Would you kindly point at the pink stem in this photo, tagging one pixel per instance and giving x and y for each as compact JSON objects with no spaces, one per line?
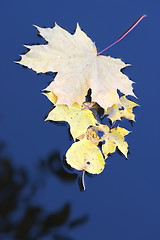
{"x":125,"y":33}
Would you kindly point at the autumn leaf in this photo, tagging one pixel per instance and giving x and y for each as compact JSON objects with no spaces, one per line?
{"x":113,"y":138}
{"x":74,"y":58}
{"x":122,"y":110}
{"x":85,"y":155}
{"x":78,"y":118}
{"x":51,"y":96}
{"x":90,"y":135}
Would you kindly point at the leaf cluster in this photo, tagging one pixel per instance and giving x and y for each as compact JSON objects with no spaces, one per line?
{"x":79,"y":68}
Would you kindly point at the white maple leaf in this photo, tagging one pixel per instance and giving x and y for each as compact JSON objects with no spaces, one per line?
{"x":74,"y":58}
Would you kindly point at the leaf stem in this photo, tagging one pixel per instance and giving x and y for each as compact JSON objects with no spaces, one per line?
{"x":125,"y":33}
{"x":83,"y":183}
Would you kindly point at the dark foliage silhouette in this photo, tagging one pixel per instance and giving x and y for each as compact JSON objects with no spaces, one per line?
{"x":20,"y":219}
{"x":55,"y":165}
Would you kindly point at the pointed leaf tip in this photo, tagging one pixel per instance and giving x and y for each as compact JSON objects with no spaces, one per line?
{"x":27,"y":46}
{"x":18,"y":62}
{"x":78,"y":27}
{"x":35,"y":26}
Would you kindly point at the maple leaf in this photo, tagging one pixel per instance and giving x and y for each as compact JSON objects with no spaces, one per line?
{"x":78,"y":118}
{"x":79,"y":68}
{"x":116,"y":112}
{"x":85,"y":155}
{"x":113,"y":138}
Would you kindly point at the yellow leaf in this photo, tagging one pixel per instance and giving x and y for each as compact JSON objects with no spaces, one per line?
{"x":113,"y":138}
{"x":74,"y":58}
{"x":78,"y":118}
{"x":85,"y":155}
{"x":92,"y":135}
{"x":116,"y":113}
{"x":51,"y":96}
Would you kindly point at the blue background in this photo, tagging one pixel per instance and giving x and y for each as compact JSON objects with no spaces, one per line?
{"x":123,"y":201}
